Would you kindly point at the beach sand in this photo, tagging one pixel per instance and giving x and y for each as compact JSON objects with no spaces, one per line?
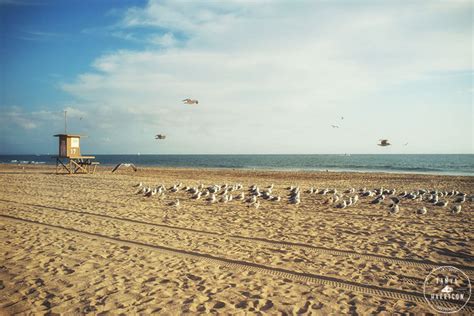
{"x":89,"y":244}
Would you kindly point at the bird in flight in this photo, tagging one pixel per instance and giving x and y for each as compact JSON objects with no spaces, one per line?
{"x":335,"y":126}
{"x":342,"y":117}
{"x":160,"y":136}
{"x":125,"y":165}
{"x":384,"y":142}
{"x":405,"y":144}
{"x":190,"y":101}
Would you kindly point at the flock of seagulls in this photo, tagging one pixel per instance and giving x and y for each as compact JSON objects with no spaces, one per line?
{"x":254,"y":195}
{"x":383,"y":142}
{"x":185,"y":101}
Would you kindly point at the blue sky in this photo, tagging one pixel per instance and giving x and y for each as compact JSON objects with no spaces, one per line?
{"x":271,"y":76}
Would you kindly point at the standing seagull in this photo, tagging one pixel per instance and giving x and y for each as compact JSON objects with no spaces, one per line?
{"x":190,"y":101}
{"x":174,"y":204}
{"x":384,"y":142}
{"x":456,"y":209}
{"x":394,"y":209}
{"x":421,"y":211}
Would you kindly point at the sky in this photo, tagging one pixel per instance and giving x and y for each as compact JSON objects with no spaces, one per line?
{"x":271,"y":77}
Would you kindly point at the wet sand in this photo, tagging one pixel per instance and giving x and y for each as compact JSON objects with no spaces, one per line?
{"x":89,"y":244}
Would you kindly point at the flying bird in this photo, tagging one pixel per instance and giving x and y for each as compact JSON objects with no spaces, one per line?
{"x":125,"y":165}
{"x":190,"y":101}
{"x":342,"y":117}
{"x":384,"y":142}
{"x":405,"y":144}
{"x":335,"y":126}
{"x":160,"y":136}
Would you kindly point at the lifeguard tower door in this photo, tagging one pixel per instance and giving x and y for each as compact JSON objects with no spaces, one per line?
{"x":62,"y":147}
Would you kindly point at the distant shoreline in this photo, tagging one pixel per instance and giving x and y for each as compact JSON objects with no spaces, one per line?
{"x":405,"y":164}
{"x":156,"y":168}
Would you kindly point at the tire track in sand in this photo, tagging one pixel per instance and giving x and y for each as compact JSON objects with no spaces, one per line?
{"x":248,"y":266}
{"x":292,"y":245}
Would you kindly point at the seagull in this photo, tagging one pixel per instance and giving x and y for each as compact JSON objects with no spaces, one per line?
{"x":276,"y":199}
{"x":160,"y":136}
{"x":368,"y":193}
{"x":142,"y":190}
{"x":442,"y":203}
{"x":252,"y":199}
{"x":434,"y":200}
{"x":266,"y":195}
{"x":335,"y":126}
{"x":461,"y":199}
{"x":394,"y":209}
{"x":175,"y":203}
{"x":151,"y":193}
{"x":125,"y":165}
{"x":295,"y":200}
{"x":384,"y":142}
{"x":224,"y":199}
{"x":190,"y":101}
{"x":310,"y":190}
{"x":377,"y":200}
{"x":395,"y":200}
{"x":355,"y":199}
{"x":174,"y":189}
{"x":329,"y":200}
{"x":212,"y":198}
{"x":323,"y":191}
{"x":351,"y":190}
{"x":456,"y":209}
{"x":240,"y":197}
{"x":421,"y":211}
{"x":343,"y":204}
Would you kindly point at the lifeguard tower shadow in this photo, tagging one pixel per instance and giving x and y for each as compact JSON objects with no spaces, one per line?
{"x":70,"y":159}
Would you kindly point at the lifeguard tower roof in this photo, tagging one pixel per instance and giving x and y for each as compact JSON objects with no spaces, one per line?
{"x":69,"y":135}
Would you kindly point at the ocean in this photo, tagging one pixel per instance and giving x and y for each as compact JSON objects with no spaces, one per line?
{"x":428,"y":164}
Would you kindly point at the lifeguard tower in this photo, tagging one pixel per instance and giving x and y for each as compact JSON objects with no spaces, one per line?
{"x":70,"y":158}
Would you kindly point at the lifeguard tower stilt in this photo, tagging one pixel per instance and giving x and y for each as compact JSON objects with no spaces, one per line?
{"x":70,"y":158}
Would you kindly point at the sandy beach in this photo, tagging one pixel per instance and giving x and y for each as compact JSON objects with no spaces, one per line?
{"x":90,"y":244}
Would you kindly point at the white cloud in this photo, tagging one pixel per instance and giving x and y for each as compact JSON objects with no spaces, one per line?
{"x":269,"y":70}
{"x":166,"y":40}
{"x":16,"y":116}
